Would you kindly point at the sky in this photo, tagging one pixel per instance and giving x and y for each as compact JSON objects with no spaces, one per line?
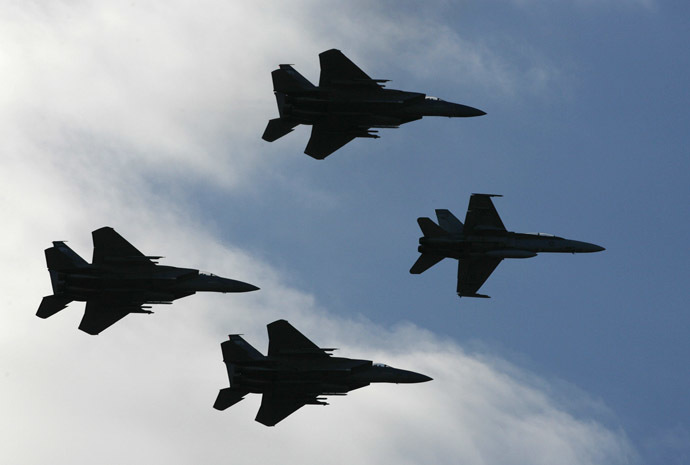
{"x":147,"y":117}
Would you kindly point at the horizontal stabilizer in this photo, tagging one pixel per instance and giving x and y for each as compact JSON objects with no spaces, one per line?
{"x":228,"y":397}
{"x":424,"y":262}
{"x":52,"y":304}
{"x":430,"y":229}
{"x":277,"y":128}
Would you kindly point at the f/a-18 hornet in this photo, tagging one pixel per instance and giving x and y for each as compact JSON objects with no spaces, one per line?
{"x":481,"y":243}
{"x":346,"y":104}
{"x":295,"y":373}
{"x":119,"y":281}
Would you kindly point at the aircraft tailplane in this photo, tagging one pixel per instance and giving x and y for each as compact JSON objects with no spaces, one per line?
{"x":52,"y":304}
{"x":228,"y":397}
{"x":277,"y":128}
{"x":424,"y":262}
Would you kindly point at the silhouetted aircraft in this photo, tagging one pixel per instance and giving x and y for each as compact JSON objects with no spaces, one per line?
{"x":482,"y":243}
{"x":119,"y":281}
{"x":346,"y":104}
{"x":295,"y":373}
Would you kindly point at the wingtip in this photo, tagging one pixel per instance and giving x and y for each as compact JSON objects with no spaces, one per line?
{"x":487,"y":195}
{"x":480,"y":296}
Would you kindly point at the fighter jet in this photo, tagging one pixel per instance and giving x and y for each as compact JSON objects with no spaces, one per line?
{"x":295,"y":373}
{"x":119,"y":281}
{"x":347,"y":104}
{"x":481,"y":244}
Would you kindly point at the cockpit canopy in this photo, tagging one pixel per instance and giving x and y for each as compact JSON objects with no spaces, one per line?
{"x":435,"y":99}
{"x":206,"y":273}
{"x":380,"y":365}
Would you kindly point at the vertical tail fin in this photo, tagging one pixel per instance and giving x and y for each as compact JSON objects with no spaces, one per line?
{"x":426,"y":260}
{"x":60,"y":258}
{"x":280,"y":100}
{"x":287,"y":80}
{"x":430,"y":229}
{"x":448,"y":221}
{"x":237,"y":350}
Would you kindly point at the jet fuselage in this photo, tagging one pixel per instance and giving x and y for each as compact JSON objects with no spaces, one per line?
{"x":151,"y":284}
{"x":501,"y":245}
{"x":367,"y":108}
{"x":332,"y":375}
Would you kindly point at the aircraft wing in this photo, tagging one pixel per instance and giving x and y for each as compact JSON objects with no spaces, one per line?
{"x":339,"y":70}
{"x":481,"y":214}
{"x":101,"y":314}
{"x":472,"y":273}
{"x":279,"y":404}
{"x":111,"y":248}
{"x":284,"y":339}
{"x":324,"y":141}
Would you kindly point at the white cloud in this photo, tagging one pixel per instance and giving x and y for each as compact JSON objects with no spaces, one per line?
{"x":98,"y":100}
{"x":182,"y":90}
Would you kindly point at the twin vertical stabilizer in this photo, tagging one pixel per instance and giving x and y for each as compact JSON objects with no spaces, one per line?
{"x":448,"y":222}
{"x":447,"y":225}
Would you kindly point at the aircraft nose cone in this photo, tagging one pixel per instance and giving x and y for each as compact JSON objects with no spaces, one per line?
{"x":587,"y":247}
{"x":467,"y":111}
{"x":239,"y":286}
{"x":412,"y":377}
{"x":245,"y":287}
{"x":420,"y":378}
